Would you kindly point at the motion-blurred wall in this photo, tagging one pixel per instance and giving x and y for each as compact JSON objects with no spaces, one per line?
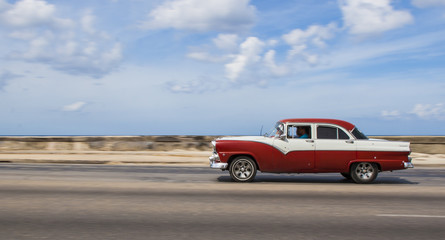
{"x":421,"y":144}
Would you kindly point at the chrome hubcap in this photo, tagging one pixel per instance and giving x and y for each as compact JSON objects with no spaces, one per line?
{"x":242,"y":169}
{"x":364,"y":170}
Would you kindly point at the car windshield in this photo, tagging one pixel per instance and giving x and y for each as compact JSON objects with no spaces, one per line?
{"x":276,"y":131}
{"x":359,"y":135}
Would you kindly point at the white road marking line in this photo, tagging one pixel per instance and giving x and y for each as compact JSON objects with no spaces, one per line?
{"x":410,"y":215}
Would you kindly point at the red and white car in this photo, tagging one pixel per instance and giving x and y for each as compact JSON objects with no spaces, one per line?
{"x":328,"y":145}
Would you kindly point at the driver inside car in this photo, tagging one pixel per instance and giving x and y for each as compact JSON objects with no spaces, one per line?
{"x":302,"y":132}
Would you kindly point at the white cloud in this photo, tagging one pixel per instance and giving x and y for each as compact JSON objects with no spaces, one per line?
{"x":197,"y":15}
{"x":37,"y":49}
{"x":250,"y":51}
{"x":200,"y":85}
{"x":372,"y":16}
{"x":423,"y":111}
{"x":45,"y":38}
{"x":314,"y":35}
{"x":73,"y":107}
{"x":269,"y":61}
{"x":228,"y":42}
{"x":388,"y":51}
{"x":251,"y":59}
{"x":296,"y":50}
{"x":391,"y":114}
{"x":225,"y":43}
{"x":205,"y":57}
{"x":428,"y":3}
{"x":311,"y":51}
{"x":23,"y":34}
{"x":311,"y":58}
{"x":189,"y":87}
{"x":87,"y":22}
{"x":429,"y":111}
{"x":272,"y":42}
{"x":113,"y":55}
{"x":28,"y":13}
{"x":90,"y":48}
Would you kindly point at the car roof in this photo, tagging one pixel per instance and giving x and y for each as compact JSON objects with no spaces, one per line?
{"x":348,"y":126}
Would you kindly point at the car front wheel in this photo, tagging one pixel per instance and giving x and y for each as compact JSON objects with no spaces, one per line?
{"x":243,"y":169}
{"x":364,"y":172}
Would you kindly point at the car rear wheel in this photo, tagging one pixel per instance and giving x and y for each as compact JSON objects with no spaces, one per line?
{"x":364,"y":172}
{"x":243,"y":169}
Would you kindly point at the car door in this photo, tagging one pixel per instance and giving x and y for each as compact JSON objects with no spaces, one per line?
{"x":298,"y":153}
{"x":334,"y":148}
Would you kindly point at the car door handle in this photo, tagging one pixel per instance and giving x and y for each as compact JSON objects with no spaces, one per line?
{"x":310,"y":141}
{"x":349,"y":141}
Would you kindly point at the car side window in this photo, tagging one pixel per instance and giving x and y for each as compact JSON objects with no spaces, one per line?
{"x":326,"y":132}
{"x":342,"y":134}
{"x":291,"y":131}
{"x":299,"y":131}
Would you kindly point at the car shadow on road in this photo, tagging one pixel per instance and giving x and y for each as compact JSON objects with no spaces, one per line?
{"x":267,"y":178}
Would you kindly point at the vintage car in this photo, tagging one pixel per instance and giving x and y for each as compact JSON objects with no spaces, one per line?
{"x":310,"y":146}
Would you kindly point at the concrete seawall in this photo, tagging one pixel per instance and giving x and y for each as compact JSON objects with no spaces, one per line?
{"x":419,"y":144}
{"x":106,"y":143}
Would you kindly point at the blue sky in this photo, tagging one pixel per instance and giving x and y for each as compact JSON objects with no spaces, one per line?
{"x":220,"y":67}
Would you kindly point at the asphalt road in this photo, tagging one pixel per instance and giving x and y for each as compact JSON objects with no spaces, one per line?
{"x":151,"y":202}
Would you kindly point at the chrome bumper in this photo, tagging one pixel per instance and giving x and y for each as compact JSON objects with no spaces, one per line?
{"x":408,"y":164}
{"x":215,"y":163}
